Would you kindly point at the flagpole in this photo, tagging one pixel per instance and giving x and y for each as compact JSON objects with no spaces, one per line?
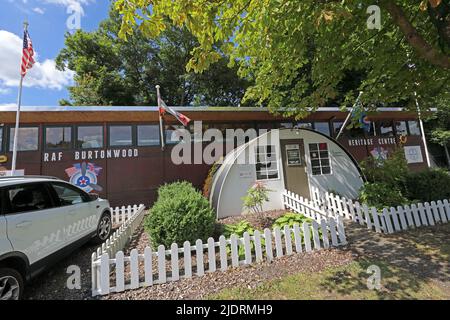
{"x":348,"y":117}
{"x":424,"y":140}
{"x":161,"y":130}
{"x":16,"y":130}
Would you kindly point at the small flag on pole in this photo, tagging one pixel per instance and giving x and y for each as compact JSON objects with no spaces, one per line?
{"x":163,"y":108}
{"x":27,"y":54}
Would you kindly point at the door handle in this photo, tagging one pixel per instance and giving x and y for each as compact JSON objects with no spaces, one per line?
{"x":23,"y":224}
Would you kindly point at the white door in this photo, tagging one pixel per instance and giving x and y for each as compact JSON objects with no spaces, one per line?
{"x":35,"y":225}
{"x":81,"y":219}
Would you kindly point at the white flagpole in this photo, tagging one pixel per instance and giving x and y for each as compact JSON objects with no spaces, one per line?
{"x":16,"y":129}
{"x":424,"y":140}
{"x":348,"y":117}
{"x":161,"y":130}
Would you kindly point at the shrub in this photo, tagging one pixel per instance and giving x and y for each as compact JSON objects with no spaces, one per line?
{"x":428,"y":185}
{"x":181,"y":213}
{"x":256,"y":196}
{"x":381,"y":195}
{"x":392,"y":171}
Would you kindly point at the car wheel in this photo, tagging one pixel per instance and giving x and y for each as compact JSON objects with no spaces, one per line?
{"x":11,"y":284}
{"x":103,"y":229}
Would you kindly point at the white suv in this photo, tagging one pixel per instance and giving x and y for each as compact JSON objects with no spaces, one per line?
{"x":43,"y":219}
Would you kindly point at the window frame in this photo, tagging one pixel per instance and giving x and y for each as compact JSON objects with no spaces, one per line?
{"x":57,"y":200}
{"x":6,"y":202}
{"x":320,"y":159}
{"x":2,"y":137}
{"x":328,"y":124}
{"x":276,"y":162}
{"x":137,"y":135}
{"x":133,"y":135}
{"x":10,"y":146}
{"x":77,"y":126}
{"x":418,"y":127}
{"x":44,"y":140}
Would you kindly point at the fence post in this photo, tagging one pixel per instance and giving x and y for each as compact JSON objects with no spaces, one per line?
{"x":187,"y":259}
{"x":162,"y":264}
{"x":174,"y":262}
{"x":258,"y":247}
{"x":211,"y":255}
{"x":148,"y":266}
{"x":104,"y":274}
{"x":268,"y":241}
{"x":307,"y":236}
{"x":223,"y":253}
{"x":297,"y":238}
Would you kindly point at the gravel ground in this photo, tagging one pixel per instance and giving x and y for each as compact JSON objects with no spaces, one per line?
{"x":52,"y":284}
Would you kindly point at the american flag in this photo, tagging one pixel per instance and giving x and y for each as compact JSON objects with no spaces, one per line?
{"x":180,"y":117}
{"x":27,"y":54}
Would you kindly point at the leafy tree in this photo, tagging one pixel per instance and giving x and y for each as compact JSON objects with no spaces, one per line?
{"x":309,"y":53}
{"x":111,"y":71}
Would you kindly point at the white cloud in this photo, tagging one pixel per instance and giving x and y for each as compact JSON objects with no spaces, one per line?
{"x":43,"y":74}
{"x":4,"y":90}
{"x":39,"y":10}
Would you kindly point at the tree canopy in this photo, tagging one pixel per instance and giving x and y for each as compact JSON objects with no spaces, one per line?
{"x":111,"y":71}
{"x":306,"y":54}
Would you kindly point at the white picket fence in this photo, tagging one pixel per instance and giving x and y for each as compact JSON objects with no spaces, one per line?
{"x":121,"y":214}
{"x":119,"y":239}
{"x":388,"y":220}
{"x":304,"y":206}
{"x":163,"y":265}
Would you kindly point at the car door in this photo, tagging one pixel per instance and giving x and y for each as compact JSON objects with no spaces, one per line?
{"x":81,"y":220}
{"x":34,"y":223}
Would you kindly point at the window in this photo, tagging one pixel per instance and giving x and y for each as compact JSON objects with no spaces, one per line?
{"x":177,"y":131}
{"x":148,"y":135}
{"x":337,"y":127}
{"x":1,"y":138}
{"x":320,"y":158}
{"x":266,"y":163}
{"x":120,"y":136}
{"x":29,"y":197}
{"x":384,"y":128}
{"x":68,"y":195}
{"x":305,"y":125}
{"x":400,"y":128}
{"x":58,"y":137}
{"x":322,"y":127}
{"x":90,"y":137}
{"x":27,"y":139}
{"x":414,"y":128}
{"x":288,"y":125}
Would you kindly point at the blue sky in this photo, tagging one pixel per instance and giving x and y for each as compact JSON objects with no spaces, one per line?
{"x":43,"y":85}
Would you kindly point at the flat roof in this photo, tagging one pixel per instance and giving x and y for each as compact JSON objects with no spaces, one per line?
{"x":11,"y":108}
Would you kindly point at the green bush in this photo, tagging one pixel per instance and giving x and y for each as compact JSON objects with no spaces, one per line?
{"x":428,"y":185}
{"x":181,"y":213}
{"x":381,"y":195}
{"x":392,"y":171}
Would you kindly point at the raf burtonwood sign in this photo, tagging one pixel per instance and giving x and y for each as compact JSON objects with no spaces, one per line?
{"x":90,"y":155}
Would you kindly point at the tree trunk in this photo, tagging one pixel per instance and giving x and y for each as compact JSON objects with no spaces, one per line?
{"x":422,"y":47}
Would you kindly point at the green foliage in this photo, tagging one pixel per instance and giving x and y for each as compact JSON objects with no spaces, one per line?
{"x":110,"y":71}
{"x":287,"y":46}
{"x":238,"y":229}
{"x":392,"y":171}
{"x":290,"y":219}
{"x":381,"y":195}
{"x":428,"y":185}
{"x":181,"y":213}
{"x":255,"y":198}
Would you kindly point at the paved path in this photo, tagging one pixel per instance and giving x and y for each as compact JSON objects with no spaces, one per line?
{"x":423,"y":252}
